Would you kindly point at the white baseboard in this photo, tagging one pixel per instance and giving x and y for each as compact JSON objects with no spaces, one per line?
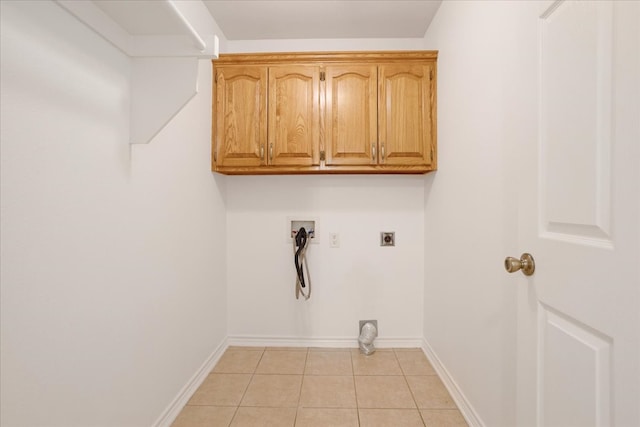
{"x":340,"y":342}
{"x":469,"y":414}
{"x":169,"y":415}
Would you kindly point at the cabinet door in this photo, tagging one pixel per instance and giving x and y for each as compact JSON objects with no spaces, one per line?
{"x":241,"y":113}
{"x":294,"y":116}
{"x":406,"y":125}
{"x":351,"y":115}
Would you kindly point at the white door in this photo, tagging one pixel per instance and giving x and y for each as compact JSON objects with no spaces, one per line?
{"x":579,"y":214}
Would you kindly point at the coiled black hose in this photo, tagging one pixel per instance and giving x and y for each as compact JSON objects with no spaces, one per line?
{"x":301,"y":243}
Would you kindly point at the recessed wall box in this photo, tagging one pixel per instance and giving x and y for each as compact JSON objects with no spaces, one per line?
{"x":310,"y":224}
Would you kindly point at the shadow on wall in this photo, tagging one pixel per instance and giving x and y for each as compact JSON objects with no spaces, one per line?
{"x":335,"y":193}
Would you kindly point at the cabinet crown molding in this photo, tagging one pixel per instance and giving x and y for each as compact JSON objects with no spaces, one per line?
{"x":327,"y":57}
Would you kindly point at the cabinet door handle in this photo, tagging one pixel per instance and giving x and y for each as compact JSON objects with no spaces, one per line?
{"x":373,"y":151}
{"x":382,"y":151}
{"x":262,"y":152}
{"x":271,"y":152}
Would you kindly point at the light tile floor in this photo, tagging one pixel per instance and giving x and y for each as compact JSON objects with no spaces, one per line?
{"x":281,"y":387}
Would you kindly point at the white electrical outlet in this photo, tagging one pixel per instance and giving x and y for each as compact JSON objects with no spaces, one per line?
{"x":334,"y":240}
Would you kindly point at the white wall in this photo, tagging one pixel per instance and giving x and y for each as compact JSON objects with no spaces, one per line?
{"x":358,"y":280}
{"x":113,"y":257}
{"x":320,"y":45}
{"x":471,"y":202}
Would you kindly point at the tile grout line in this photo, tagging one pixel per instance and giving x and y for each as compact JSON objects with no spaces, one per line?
{"x":355,"y":390}
{"x":246,"y":388}
{"x":304,"y":367}
{"x":404,"y":376}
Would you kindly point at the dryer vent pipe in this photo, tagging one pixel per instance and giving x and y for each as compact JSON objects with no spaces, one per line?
{"x":368,"y":333}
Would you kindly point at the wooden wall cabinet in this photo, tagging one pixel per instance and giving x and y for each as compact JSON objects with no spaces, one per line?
{"x":348,"y":112}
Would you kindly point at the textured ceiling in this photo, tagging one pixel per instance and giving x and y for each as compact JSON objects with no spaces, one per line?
{"x":284,"y":19}
{"x":142,"y":17}
{"x":322,"y":19}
